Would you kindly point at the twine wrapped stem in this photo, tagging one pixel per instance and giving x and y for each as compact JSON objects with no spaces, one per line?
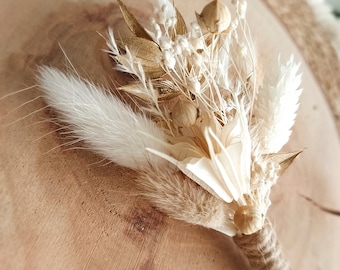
{"x":262,"y":249}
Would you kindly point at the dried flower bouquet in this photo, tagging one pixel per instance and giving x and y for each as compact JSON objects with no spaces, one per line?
{"x":206,"y":137}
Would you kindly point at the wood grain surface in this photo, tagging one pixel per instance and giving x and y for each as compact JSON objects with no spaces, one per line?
{"x":63,"y":207}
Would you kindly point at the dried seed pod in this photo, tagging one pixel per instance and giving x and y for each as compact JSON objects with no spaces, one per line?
{"x":248,"y":219}
{"x":215,"y":17}
{"x":184,"y":113}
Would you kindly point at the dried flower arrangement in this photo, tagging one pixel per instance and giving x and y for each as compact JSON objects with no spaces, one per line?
{"x":205,"y":140}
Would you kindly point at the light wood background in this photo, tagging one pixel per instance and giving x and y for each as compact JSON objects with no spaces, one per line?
{"x":65,"y":208}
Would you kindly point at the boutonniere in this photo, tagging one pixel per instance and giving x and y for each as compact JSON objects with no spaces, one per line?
{"x":207,"y":133}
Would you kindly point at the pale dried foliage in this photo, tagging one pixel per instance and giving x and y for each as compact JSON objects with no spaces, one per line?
{"x":207,"y":115}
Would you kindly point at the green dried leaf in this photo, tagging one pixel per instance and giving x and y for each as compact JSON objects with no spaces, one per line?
{"x":132,"y":22}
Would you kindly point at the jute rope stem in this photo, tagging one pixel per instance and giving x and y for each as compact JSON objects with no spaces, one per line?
{"x":262,"y":249}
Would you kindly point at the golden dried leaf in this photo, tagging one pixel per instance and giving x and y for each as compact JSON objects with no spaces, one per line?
{"x":180,"y":27}
{"x":137,"y":90}
{"x":154,"y":73}
{"x":168,"y":96}
{"x":144,"y":49}
{"x":147,"y":52}
{"x":132,"y":22}
{"x":284,"y":159}
{"x":167,"y":90}
{"x":201,"y":22}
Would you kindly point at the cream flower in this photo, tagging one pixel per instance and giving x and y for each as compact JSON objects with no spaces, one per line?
{"x":217,"y":158}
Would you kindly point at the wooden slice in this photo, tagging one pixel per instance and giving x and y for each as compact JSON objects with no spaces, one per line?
{"x":62,"y":207}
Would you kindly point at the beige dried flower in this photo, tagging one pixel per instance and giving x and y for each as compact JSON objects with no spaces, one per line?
{"x":215,"y":17}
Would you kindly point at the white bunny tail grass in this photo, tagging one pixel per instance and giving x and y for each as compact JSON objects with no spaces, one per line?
{"x":102,"y":121}
{"x":276,"y":106}
{"x":178,"y":196}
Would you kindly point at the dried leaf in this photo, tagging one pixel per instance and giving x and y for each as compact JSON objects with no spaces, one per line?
{"x":137,"y":90}
{"x":284,"y":159}
{"x":132,"y":22}
{"x":154,"y":73}
{"x":144,"y":49}
{"x":147,"y":52}
{"x":180,"y":27}
{"x":201,"y":22}
{"x":167,"y":90}
{"x":168,"y":96}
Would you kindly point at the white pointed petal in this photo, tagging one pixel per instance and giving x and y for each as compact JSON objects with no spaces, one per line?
{"x":204,"y":171}
{"x":224,"y":173}
{"x":230,"y":131}
{"x":182,"y":167}
{"x":240,"y":166}
{"x":218,"y":166}
{"x":231,"y":162}
{"x":183,"y":150}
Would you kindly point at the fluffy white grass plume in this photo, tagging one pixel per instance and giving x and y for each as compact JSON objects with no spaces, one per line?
{"x":107,"y":125}
{"x":276,"y":105}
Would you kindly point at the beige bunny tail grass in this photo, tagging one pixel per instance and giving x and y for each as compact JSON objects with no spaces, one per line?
{"x":262,"y":249}
{"x":178,"y":196}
